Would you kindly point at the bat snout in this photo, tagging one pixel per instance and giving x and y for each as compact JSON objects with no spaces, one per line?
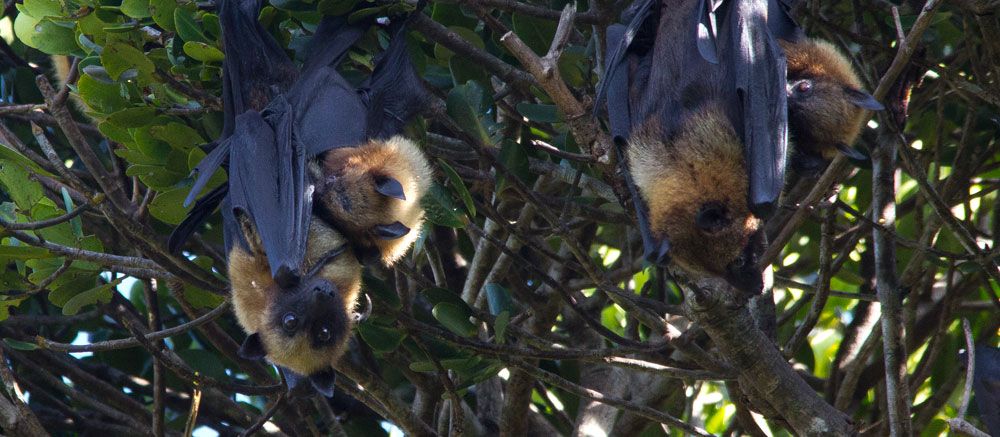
{"x":744,"y":272}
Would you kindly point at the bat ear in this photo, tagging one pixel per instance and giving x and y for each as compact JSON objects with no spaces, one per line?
{"x":292,"y":380}
{"x":389,"y":187}
{"x":863,"y":100}
{"x":391,"y":231}
{"x":323,"y":382}
{"x":852,"y":153}
{"x":712,"y":217}
{"x":252,"y":348}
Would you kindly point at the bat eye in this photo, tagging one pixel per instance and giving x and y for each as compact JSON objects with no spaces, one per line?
{"x":804,"y":87}
{"x":324,"y":334}
{"x":713,"y":217}
{"x":289,"y":322}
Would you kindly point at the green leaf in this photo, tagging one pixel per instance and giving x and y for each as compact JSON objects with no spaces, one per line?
{"x":383,"y":294}
{"x":163,"y":13}
{"x":454,"y":318}
{"x":94,"y":295}
{"x":202,"y":299}
{"x":179,"y":136}
{"x":101,"y":97}
{"x":17,"y":183}
{"x":539,"y":113}
{"x":133,"y":117}
{"x":203,"y":52}
{"x":469,"y":35}
{"x":118,"y":58}
{"x":167,"y":206}
{"x":46,"y":35}
{"x":75,"y":222}
{"x":514,"y":157}
{"x":500,"y":326}
{"x":381,"y":338}
{"x":24,"y":252}
{"x":440,"y":209}
{"x":187,"y":28}
{"x":20,"y":345}
{"x":423,"y":366}
{"x":463,"y":106}
{"x":536,"y":32}
{"x":459,"y":186}
{"x":461,"y":365}
{"x":498,"y":298}
{"x":9,"y":154}
{"x":438,"y":295}
{"x":154,"y":176}
{"x":336,"y":7}
{"x":42,"y":8}
{"x":135,"y":8}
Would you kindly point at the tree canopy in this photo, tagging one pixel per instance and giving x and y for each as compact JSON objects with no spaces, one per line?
{"x":525,"y":307}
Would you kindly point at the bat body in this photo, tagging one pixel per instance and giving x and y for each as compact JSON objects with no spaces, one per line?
{"x":696,"y":98}
{"x":302,"y":328}
{"x":372,"y":193}
{"x":295,"y":139}
{"x":827,"y":106}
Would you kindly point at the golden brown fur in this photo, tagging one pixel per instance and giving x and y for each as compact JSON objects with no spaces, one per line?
{"x":254,"y":292}
{"x":350,"y":201}
{"x":702,"y":165}
{"x":827,"y":117}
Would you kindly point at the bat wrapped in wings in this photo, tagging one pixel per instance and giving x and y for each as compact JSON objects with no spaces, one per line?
{"x":695,"y":95}
{"x":827,"y":107}
{"x":318,"y":177}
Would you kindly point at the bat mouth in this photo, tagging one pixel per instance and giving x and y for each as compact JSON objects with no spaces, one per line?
{"x":744,"y":272}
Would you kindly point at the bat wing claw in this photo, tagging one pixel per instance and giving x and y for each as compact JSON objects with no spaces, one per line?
{"x":658,"y":254}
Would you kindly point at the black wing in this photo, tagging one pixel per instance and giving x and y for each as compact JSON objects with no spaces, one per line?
{"x":394,"y":92}
{"x":255,"y":68}
{"x":254,"y":71}
{"x":267,"y":184}
{"x":756,"y":62}
{"x":780,"y":21}
{"x":986,"y":385}
{"x":330,"y":111}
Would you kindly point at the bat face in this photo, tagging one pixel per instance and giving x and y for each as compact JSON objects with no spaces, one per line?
{"x":305,"y":326}
{"x":826,"y":105}
{"x":694,"y":181}
{"x":372,"y":193}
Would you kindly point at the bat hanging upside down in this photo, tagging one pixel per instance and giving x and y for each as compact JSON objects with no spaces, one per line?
{"x":827,"y":106}
{"x":319,"y":178}
{"x":695,"y":96}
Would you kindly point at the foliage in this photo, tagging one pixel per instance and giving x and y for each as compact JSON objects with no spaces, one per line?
{"x":526,"y":286}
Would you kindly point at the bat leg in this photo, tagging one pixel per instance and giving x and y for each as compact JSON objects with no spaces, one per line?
{"x":391,"y":231}
{"x":389,"y":187}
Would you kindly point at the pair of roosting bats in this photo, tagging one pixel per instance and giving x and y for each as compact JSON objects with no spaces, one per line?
{"x":700,"y":104}
{"x":319,"y":182}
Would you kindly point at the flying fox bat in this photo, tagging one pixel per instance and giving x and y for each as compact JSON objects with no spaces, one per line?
{"x":695,"y":96}
{"x":826,"y":102}
{"x":280,"y":128}
{"x":303,"y":328}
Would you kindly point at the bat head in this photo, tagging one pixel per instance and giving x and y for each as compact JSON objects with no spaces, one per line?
{"x":694,"y":181}
{"x":372,"y":192}
{"x":826,"y":104}
{"x":302,"y":326}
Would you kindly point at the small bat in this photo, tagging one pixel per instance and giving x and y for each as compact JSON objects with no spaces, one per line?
{"x":695,"y":97}
{"x":303,"y":329}
{"x":826,"y":103}
{"x":282,"y":124}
